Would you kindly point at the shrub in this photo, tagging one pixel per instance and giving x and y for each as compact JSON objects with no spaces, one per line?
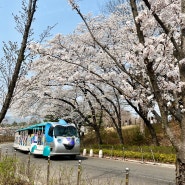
{"x":8,"y":172}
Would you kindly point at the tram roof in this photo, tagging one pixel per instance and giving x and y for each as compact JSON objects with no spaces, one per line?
{"x":40,"y":125}
{"x":36,"y":126}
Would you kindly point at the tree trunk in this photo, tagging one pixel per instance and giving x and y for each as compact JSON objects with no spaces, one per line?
{"x":180,"y":171}
{"x":152,"y":133}
{"x":98,"y":135}
{"x":143,"y":115}
{"x":180,"y":160}
{"x":120,"y":135}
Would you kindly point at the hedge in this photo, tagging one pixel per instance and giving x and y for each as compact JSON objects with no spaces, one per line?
{"x":138,"y":155}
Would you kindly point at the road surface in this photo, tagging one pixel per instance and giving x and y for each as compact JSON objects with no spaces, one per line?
{"x":95,"y":170}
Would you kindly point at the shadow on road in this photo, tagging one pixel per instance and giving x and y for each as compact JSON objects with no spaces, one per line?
{"x":64,"y":158}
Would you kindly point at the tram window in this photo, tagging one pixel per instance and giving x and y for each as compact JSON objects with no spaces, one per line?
{"x":71,"y":131}
{"x":50,"y":133}
{"x":30,"y":132}
{"x":65,"y":131}
{"x":59,"y":131}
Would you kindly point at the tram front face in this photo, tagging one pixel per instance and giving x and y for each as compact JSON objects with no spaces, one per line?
{"x":66,"y":140}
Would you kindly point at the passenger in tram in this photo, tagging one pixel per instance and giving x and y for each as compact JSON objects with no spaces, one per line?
{"x":39,"y":138}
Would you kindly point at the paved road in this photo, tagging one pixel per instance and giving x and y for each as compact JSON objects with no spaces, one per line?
{"x":98,"y":171}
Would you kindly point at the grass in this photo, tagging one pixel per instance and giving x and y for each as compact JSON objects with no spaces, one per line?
{"x":15,"y":172}
{"x":8,"y":172}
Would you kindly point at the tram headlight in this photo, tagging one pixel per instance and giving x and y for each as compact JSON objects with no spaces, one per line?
{"x":59,"y":140}
{"x":77,"y":141}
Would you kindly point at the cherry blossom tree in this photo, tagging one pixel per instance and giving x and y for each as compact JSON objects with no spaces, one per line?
{"x":72,"y":89}
{"x":120,"y":9}
{"x":157,"y":54}
{"x":70,"y":56}
{"x":109,"y":41}
{"x":164,"y":54}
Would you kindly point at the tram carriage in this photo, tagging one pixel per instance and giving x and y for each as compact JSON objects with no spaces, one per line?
{"x":49,"y":139}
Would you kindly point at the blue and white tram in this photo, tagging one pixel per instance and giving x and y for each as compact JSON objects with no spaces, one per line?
{"x":49,"y":139}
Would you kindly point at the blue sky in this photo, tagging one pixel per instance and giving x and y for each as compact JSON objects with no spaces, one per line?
{"x":49,"y":12}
